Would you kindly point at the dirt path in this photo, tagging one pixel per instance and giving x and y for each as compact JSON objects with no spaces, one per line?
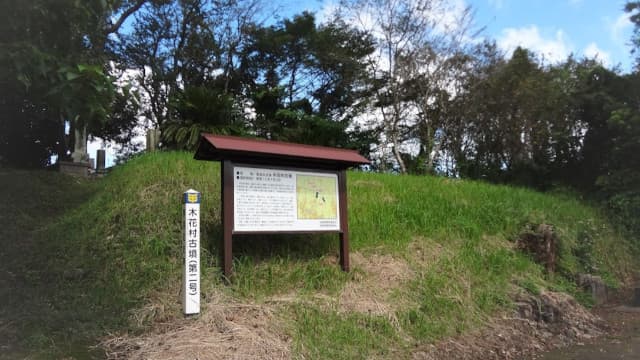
{"x":622,"y":341}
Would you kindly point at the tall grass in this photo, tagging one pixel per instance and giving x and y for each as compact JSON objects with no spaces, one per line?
{"x":388,"y":209}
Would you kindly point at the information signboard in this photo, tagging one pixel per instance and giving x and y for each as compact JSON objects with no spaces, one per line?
{"x":272,"y":187}
{"x":272,"y":199}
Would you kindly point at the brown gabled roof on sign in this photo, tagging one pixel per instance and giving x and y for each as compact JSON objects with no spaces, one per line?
{"x":219,"y":147}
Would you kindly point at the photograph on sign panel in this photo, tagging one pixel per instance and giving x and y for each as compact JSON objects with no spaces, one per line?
{"x":317,"y":197}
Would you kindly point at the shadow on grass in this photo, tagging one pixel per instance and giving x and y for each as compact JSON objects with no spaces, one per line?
{"x":266,"y":265}
{"x":262,"y":248}
{"x":300,"y":247}
{"x":37,"y":317}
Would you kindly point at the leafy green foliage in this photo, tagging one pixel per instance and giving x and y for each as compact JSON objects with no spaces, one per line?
{"x":52,"y":72}
{"x":202,"y":109}
{"x":633,"y":7}
{"x":622,"y":181}
{"x":305,"y":80}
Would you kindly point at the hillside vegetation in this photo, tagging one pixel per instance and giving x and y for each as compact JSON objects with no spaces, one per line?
{"x":433,"y":257}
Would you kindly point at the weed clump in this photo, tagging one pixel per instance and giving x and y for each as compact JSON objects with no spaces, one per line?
{"x":541,"y":242}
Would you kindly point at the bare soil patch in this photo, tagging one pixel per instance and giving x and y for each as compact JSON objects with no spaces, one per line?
{"x":622,"y":340}
{"x":539,"y":323}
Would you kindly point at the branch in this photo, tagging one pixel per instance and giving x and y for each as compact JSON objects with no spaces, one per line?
{"x":115,"y":27}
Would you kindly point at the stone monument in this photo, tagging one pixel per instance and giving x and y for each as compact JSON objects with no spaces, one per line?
{"x":81,"y":163}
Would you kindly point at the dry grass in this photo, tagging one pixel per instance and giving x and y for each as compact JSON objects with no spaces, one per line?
{"x":229,"y":329}
{"x":426,"y":252}
{"x":370,"y":292}
{"x":368,"y":183}
{"x":225,"y":329}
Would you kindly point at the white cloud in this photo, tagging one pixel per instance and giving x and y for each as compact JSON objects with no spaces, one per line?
{"x":553,"y":49}
{"x":450,"y":16}
{"x":444,"y":16}
{"x":593,"y":51}
{"x":620,"y":29}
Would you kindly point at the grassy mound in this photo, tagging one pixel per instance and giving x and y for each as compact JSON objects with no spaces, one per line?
{"x":436,"y":254}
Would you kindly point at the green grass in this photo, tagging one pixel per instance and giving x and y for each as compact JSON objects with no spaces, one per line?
{"x":329,"y":335}
{"x":95,"y":251}
{"x":285,"y":270}
{"x":36,"y":318}
{"x":391,"y":210}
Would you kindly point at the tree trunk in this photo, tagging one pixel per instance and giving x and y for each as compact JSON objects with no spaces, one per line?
{"x":396,"y":154}
{"x":435,"y":149}
{"x":63,"y":142}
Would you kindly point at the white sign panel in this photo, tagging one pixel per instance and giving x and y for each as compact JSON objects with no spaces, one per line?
{"x":283,"y":200}
{"x":191,"y":287}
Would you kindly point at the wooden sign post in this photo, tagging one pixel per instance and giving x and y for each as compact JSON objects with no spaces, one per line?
{"x":191,"y":283}
{"x":270,"y":187}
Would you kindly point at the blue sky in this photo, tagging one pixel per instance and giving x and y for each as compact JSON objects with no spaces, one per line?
{"x":582,"y":27}
{"x":554,"y":29}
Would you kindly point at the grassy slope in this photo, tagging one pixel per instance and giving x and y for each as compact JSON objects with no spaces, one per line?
{"x":113,"y":253}
{"x":34,"y":310}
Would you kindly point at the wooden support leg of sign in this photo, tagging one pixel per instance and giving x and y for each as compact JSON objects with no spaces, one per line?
{"x":226,"y":195}
{"x":344,"y":251}
{"x":344,"y":221}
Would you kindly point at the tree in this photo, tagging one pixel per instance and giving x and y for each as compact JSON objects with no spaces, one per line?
{"x":416,"y":47}
{"x":621,"y":181}
{"x":50,"y":77}
{"x":171,"y":45}
{"x":471,"y":125}
{"x":183,"y":52}
{"x":633,"y":8}
{"x":302,"y":78}
{"x":202,"y":109}
{"x":520,"y":122}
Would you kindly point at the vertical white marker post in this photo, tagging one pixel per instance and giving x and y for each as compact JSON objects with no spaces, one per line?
{"x":191,"y":288}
